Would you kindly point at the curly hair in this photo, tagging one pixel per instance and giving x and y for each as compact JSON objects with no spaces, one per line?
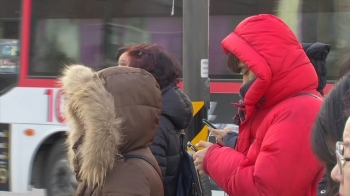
{"x":157,"y":61}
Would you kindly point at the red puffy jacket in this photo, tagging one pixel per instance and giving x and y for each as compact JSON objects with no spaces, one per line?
{"x":273,"y":155}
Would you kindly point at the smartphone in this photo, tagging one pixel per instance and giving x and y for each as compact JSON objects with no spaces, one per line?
{"x":189,"y":144}
{"x":206,"y":122}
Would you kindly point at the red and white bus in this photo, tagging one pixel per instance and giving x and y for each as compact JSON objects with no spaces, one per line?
{"x":38,"y":37}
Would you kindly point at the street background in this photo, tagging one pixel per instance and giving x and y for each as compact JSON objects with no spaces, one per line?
{"x":34,"y":192}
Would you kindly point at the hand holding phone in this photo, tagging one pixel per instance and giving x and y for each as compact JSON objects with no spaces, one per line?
{"x":221,"y":133}
{"x":189,"y":144}
{"x":206,"y":122}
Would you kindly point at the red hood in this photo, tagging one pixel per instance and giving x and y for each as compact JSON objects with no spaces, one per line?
{"x":271,"y":50}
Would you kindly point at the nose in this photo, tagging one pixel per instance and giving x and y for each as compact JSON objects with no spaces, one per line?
{"x":335,"y":174}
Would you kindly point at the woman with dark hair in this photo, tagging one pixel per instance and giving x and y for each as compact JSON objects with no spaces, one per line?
{"x":176,"y":107}
{"x":328,"y":128}
{"x":157,"y":61}
{"x":341,"y":172}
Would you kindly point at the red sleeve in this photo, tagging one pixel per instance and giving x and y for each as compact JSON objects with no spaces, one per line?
{"x":285,"y":164}
{"x":222,"y":163}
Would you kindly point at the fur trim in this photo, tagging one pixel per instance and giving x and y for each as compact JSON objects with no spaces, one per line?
{"x":90,"y":110}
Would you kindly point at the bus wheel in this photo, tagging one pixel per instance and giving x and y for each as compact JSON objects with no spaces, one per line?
{"x":59,"y":179}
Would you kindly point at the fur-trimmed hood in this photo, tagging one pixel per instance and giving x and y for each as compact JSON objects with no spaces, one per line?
{"x":114,"y":111}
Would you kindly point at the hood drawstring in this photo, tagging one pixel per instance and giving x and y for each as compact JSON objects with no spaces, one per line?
{"x":240,"y":116}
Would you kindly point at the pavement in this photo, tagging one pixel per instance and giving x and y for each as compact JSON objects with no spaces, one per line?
{"x":34,"y":192}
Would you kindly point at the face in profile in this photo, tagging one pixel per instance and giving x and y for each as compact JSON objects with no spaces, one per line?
{"x":341,"y":172}
{"x":248,"y":75}
{"x":124,"y":59}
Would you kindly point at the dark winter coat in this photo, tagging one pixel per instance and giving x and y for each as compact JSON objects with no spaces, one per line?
{"x":176,"y":115}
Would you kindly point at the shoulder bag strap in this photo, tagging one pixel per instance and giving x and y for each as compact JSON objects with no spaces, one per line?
{"x":136,"y":156}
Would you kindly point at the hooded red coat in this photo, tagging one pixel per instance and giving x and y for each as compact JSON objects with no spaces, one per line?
{"x":273,"y":155}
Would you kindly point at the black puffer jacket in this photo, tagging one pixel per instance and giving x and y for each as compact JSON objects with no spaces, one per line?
{"x":317,"y":53}
{"x":176,"y":115}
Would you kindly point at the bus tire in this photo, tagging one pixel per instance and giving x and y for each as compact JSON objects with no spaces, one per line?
{"x":59,"y":179}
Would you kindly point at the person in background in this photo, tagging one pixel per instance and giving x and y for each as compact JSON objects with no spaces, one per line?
{"x":177,"y":108}
{"x":273,"y":155}
{"x":325,"y":125}
{"x":119,"y":54}
{"x":318,"y":53}
{"x":113,"y":117}
{"x":328,"y":128}
{"x":341,"y":171}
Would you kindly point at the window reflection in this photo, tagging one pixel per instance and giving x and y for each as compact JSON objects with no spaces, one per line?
{"x":92,"y":33}
{"x":65,"y":32}
{"x":320,"y":21}
{"x":311,"y":20}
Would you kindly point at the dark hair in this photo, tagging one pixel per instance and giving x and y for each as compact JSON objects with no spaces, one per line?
{"x":329,"y":126}
{"x":344,"y":65}
{"x":120,"y":51}
{"x":232,"y":63}
{"x":157,"y":61}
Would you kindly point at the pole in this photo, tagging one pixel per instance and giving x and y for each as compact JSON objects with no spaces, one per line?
{"x":195,"y":63}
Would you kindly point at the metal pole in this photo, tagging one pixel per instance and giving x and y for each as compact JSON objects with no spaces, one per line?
{"x":195,"y":60}
{"x":195,"y":47}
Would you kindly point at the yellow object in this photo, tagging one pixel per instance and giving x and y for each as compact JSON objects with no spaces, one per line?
{"x":200,"y":130}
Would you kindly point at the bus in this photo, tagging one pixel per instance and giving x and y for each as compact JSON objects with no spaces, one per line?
{"x":39,"y":37}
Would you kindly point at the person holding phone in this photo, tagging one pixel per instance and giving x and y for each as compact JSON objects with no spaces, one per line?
{"x":226,"y":136}
{"x":273,"y":154}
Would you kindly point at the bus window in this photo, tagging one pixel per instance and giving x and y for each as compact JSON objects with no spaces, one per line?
{"x":310,"y":20}
{"x":61,"y":35}
{"x":9,"y":44}
{"x":224,"y":16}
{"x":327,"y":22}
